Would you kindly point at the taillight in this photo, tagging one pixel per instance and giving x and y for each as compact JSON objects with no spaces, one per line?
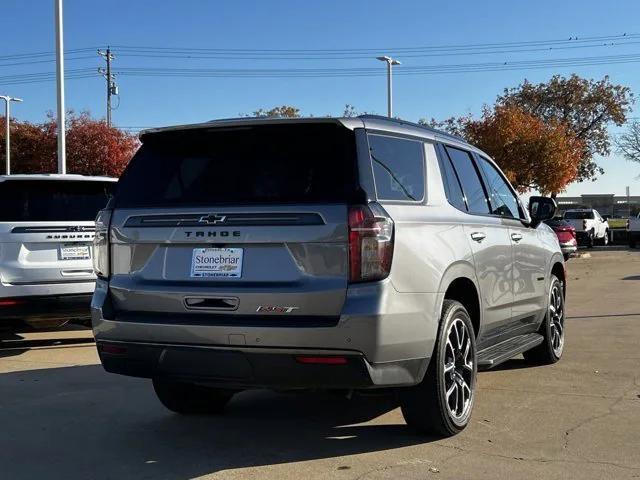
{"x":101,"y":244}
{"x":370,"y":243}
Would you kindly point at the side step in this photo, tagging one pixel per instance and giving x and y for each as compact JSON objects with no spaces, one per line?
{"x":503,"y":351}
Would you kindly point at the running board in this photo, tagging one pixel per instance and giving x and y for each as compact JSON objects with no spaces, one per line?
{"x":503,"y":351}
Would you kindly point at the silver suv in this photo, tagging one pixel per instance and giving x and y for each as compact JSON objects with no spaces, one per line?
{"x":348,"y":253}
{"x":46,"y":232}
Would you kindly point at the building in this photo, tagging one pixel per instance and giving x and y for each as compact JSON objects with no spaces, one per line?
{"x":606,"y":204}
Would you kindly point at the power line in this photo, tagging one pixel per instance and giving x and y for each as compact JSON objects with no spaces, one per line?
{"x":571,"y":42}
{"x":335,"y":72}
{"x":403,"y":50}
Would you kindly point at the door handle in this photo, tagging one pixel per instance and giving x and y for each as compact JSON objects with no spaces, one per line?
{"x":516,"y":237}
{"x":478,"y":236}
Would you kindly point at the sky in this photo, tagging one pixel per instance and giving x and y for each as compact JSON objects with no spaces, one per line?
{"x":368,"y":28}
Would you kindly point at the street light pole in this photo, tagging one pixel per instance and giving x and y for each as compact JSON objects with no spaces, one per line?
{"x":7,"y":142}
{"x":390,"y":62}
{"x":62,"y":151}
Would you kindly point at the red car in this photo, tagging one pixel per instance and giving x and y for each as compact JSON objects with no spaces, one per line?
{"x":566,"y":236}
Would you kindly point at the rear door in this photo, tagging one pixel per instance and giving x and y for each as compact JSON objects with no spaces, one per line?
{"x":46,"y":229}
{"x":490,"y":243}
{"x":529,"y":254}
{"x":243,"y":222}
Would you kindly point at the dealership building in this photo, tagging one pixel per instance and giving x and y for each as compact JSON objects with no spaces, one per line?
{"x":605,"y":203}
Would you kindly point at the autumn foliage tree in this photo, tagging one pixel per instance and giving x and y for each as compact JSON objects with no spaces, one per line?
{"x":93,"y":148}
{"x":546,"y":135}
{"x":533,"y":154}
{"x":585,"y":106}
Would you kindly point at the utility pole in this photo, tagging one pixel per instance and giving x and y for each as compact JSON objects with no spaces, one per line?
{"x":112,"y":88}
{"x":62,"y":151}
{"x":7,"y":138}
{"x":390,"y":62}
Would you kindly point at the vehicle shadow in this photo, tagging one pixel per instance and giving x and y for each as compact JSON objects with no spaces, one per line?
{"x":17,"y":339}
{"x":513,"y":364}
{"x":85,"y":423}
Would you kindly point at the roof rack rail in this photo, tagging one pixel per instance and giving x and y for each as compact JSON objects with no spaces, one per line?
{"x":412,"y":124}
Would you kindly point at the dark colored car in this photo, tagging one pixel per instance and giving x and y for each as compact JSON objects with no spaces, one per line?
{"x":566,"y":234}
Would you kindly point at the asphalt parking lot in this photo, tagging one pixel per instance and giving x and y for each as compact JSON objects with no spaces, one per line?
{"x":62,"y":416}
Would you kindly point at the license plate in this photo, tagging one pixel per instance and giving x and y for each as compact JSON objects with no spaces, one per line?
{"x":72,"y":251}
{"x":217,"y":262}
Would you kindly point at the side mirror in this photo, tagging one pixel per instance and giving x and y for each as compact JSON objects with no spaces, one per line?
{"x":541,"y":209}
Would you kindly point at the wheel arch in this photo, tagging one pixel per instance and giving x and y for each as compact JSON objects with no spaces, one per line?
{"x":558,"y":268}
{"x":459,"y":283}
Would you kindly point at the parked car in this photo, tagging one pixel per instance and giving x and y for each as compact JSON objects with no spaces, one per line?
{"x":354,"y":253}
{"x":590,"y":227}
{"x":566,"y":234}
{"x":633,"y":230}
{"x":46,"y":234}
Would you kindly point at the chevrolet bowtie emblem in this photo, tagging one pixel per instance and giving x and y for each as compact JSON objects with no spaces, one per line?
{"x":212,"y":219}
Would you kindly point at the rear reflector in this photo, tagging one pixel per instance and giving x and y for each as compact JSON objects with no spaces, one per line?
{"x":11,"y":302}
{"x":112,"y":349}
{"x":322,"y":360}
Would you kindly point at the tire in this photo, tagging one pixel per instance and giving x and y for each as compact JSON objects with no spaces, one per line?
{"x":426,"y":407}
{"x":605,"y":239}
{"x":190,"y":399}
{"x":552,"y":329}
{"x":590,"y":239}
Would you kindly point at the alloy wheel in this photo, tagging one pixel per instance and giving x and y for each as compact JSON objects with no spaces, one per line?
{"x":556,"y":318}
{"x":458,"y":368}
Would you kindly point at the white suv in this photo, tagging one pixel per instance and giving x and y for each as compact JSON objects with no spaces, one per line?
{"x":46,"y":233}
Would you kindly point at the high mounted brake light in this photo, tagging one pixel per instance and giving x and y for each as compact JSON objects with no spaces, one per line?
{"x":370,"y":243}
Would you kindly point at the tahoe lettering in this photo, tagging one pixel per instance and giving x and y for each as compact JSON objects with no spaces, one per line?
{"x":212,"y":233}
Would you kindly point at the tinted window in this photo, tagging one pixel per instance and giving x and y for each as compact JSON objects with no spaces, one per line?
{"x":262,"y":164}
{"x":452,"y":185}
{"x":52,"y":200}
{"x":503,"y":201}
{"x":579,"y":215}
{"x":471,"y":184}
{"x":398,"y":168}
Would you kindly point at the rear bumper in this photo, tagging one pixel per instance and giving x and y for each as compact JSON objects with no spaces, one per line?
{"x":569,"y":247}
{"x":387,"y":337}
{"x":46,"y":307}
{"x":252,"y":368}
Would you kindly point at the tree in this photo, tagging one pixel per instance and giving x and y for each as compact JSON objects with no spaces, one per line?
{"x":586,"y":107}
{"x":93,"y":148}
{"x":532,"y":153}
{"x":629,"y":143}
{"x":284,"y":111}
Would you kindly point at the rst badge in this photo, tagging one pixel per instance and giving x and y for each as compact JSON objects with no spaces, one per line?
{"x":276,"y":309}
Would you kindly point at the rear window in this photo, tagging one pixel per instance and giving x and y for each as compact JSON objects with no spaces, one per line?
{"x":52,"y":200}
{"x":398,"y":168}
{"x":575,"y":215}
{"x":262,"y":164}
